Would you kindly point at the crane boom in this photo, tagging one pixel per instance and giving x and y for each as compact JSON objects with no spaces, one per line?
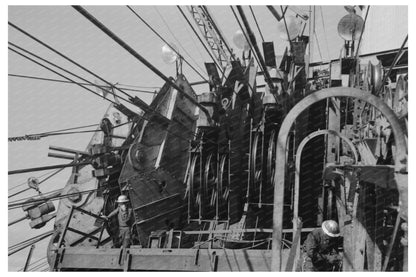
{"x":211,"y":34}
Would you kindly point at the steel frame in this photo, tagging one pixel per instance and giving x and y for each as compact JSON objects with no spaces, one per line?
{"x":400,"y":155}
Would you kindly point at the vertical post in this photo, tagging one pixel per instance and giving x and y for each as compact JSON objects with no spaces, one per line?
{"x":29,"y":257}
{"x":61,"y":239}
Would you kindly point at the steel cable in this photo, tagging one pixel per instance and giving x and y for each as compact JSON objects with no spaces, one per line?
{"x":170,"y":46}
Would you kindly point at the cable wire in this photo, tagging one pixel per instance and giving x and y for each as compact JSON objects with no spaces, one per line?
{"x":86,"y":84}
{"x":170,"y":46}
{"x":71,"y":73}
{"x":203,"y":44}
{"x":47,"y":178}
{"x":326,"y":37}
{"x":64,"y":56}
{"x":257,"y":24}
{"x":50,"y":69}
{"x":178,"y":41}
{"x":246,"y":37}
{"x":188,"y":140}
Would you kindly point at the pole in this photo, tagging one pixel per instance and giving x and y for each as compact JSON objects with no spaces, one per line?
{"x":29,"y":257}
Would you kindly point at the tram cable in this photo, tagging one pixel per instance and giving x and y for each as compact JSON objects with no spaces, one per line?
{"x":69,"y":72}
{"x":170,"y":46}
{"x":178,"y":41}
{"x":257,"y":24}
{"x":86,"y":84}
{"x":99,"y":94}
{"x":65,"y":57}
{"x":135,"y":54}
{"x":50,"y":69}
{"x":40,"y":182}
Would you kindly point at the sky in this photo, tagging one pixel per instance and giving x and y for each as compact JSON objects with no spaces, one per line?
{"x":38,"y":106}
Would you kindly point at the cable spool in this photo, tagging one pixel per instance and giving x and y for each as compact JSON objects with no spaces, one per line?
{"x":76,"y":197}
{"x":136,"y":156}
{"x":376,"y":76}
{"x":271,"y":158}
{"x":256,"y":167}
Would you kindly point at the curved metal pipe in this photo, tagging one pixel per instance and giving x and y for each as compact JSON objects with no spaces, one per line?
{"x":298,"y":159}
{"x":400,"y":158}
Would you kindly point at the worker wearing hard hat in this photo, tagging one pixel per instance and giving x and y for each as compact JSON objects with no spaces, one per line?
{"x":125,"y":218}
{"x":321,"y":250}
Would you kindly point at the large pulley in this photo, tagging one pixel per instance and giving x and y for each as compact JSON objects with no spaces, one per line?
{"x":193,"y":188}
{"x":271,"y":158}
{"x":256,"y":163}
{"x":223,"y":186}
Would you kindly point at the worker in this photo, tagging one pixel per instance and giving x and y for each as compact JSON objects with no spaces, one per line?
{"x":321,"y":250}
{"x":125,"y":218}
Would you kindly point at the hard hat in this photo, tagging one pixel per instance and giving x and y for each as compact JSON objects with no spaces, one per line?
{"x":330,"y":227}
{"x":122,"y":199}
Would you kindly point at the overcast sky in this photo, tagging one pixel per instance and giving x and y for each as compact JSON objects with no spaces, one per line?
{"x":38,"y":106}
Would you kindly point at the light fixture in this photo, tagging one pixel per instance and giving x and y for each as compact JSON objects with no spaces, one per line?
{"x":169,"y":55}
{"x":294,"y":25}
{"x":240,"y":41}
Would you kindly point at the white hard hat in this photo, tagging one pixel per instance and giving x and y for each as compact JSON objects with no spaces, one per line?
{"x":122,"y":199}
{"x":330,"y":228}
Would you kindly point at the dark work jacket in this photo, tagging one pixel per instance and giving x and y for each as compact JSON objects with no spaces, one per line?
{"x":318,"y":247}
{"x":125,"y":219}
